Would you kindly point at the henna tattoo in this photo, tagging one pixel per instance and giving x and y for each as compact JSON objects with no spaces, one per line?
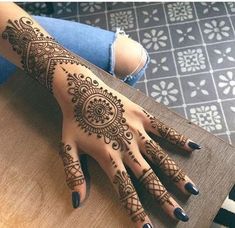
{"x":128,"y":196}
{"x":165,"y":163}
{"x":166,"y":132}
{"x":73,"y":171}
{"x":132,"y":156}
{"x":155,"y":187}
{"x":112,"y":161}
{"x":98,"y":111}
{"x":39,"y":53}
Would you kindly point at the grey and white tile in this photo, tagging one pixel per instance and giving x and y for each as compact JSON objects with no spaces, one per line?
{"x":96,"y":20}
{"x":229,"y":111}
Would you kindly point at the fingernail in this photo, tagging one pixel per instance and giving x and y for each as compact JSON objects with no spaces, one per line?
{"x":194,"y":145}
{"x":75,"y":199}
{"x":191,"y":188}
{"x":181,"y":215}
{"x":147,"y":225}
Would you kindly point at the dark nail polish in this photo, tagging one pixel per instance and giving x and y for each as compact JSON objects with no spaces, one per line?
{"x":191,"y":188}
{"x":193,"y":145}
{"x":75,"y":199}
{"x":181,"y":215}
{"x":147,"y":225}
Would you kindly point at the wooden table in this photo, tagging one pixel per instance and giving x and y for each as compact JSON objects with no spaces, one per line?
{"x":33,"y":192}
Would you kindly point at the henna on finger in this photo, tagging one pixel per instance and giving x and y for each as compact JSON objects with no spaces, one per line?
{"x":72,"y":168}
{"x":127,"y":194}
{"x":166,"y":132}
{"x":166,"y":164}
{"x":155,"y":187}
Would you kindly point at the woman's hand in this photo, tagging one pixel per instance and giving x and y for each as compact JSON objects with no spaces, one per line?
{"x":113,"y":130}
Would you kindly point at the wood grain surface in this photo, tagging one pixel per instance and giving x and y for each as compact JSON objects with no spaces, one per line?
{"x":33,"y":192}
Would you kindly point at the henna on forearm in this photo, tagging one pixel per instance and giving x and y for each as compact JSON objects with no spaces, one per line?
{"x":166,"y":132}
{"x":39,"y":53}
{"x":166,"y":164}
{"x":72,"y":168}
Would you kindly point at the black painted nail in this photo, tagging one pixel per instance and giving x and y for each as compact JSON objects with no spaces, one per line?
{"x":193,"y":145}
{"x":75,"y":199}
{"x":181,"y":215}
{"x":191,"y":188}
{"x":147,"y":225}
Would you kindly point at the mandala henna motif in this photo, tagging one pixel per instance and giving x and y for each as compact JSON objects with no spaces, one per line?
{"x":155,"y":187}
{"x":98,"y":111}
{"x":39,"y":53}
{"x":73,"y":171}
{"x":128,"y":196}
{"x":166,"y":132}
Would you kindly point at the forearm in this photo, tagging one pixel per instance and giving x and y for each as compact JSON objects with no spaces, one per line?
{"x":26,"y":44}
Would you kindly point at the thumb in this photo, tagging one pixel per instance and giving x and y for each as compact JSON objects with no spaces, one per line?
{"x":73,"y":171}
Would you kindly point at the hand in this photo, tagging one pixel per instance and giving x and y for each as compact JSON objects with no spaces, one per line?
{"x":101,"y":122}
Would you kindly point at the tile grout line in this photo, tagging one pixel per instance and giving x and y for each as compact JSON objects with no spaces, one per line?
{"x":229,"y":17}
{"x":217,"y":94}
{"x":138,"y":35}
{"x":177,"y":73}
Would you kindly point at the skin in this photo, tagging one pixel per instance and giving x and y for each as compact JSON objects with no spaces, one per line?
{"x":97,"y":120}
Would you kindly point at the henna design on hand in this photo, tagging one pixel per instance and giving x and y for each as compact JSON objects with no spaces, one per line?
{"x":166,"y":164}
{"x":73,"y":171}
{"x":128,"y":196}
{"x":155,"y":187}
{"x":98,"y":111}
{"x":166,"y":132}
{"x":39,"y":53}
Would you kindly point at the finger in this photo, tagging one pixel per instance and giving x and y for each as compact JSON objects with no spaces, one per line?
{"x":151,"y":182}
{"x":73,"y":172}
{"x":159,"y":128}
{"x":121,"y":181}
{"x":157,"y":155}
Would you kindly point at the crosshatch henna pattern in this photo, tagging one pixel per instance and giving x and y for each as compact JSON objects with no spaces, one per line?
{"x":98,"y":111}
{"x":166,"y":132}
{"x":128,"y":196}
{"x":39,"y":53}
{"x":72,"y":168}
{"x":155,"y":187}
{"x":166,"y":164}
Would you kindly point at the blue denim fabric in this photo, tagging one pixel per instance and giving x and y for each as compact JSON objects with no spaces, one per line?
{"x":91,"y":43}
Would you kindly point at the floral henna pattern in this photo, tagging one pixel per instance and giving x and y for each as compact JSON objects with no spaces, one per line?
{"x":155,"y":187}
{"x":98,"y":111}
{"x":128,"y":196}
{"x":73,"y":171}
{"x":166,"y":164}
{"x":39,"y":53}
{"x":166,"y":132}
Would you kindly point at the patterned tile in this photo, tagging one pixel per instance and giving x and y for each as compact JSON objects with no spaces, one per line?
{"x":179,"y":12}
{"x":65,"y":9}
{"x":133,"y":35}
{"x":141,"y":87}
{"x":97,"y":20}
{"x":165,"y":91}
{"x":90,"y":7}
{"x":217,"y":30}
{"x":160,"y":65}
{"x":222,"y":55}
{"x":186,"y":35}
{"x":150,"y":15}
{"x":225,"y":82}
{"x":39,"y":8}
{"x":198,"y":88}
{"x":210,"y":9}
{"x":124,"y":19}
{"x":155,"y":39}
{"x":191,"y":60}
{"x":229,"y":110}
{"x":231,"y":7}
{"x":118,"y":5}
{"x":208,"y":116}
